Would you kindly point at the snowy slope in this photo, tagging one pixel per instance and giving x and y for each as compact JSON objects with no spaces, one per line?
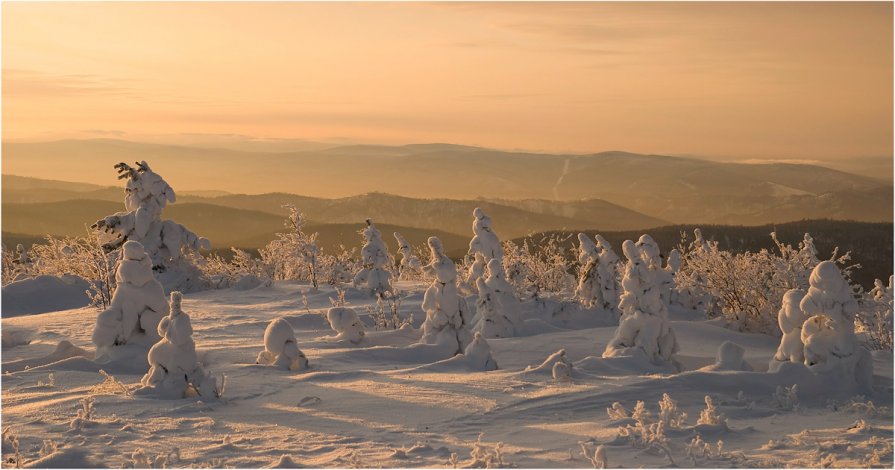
{"x":377,"y":404}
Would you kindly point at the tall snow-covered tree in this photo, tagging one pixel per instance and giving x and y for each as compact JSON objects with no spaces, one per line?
{"x":447,"y":314}
{"x":137,"y":306}
{"x":589,"y":292}
{"x":166,"y":241}
{"x":484,"y":242}
{"x":644,"y":324}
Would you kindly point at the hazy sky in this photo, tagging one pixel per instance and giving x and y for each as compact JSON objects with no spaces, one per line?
{"x":758,"y":80}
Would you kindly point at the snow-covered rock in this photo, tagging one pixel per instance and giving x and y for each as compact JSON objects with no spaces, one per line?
{"x":447,"y":314}
{"x":174,"y":369}
{"x":374,"y":275}
{"x":137,"y":307}
{"x":165,"y":241}
{"x":281,"y":347}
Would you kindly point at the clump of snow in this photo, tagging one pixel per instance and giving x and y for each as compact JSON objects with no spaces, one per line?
{"x":831,"y":346}
{"x":730,"y":357}
{"x":478,"y":353}
{"x":347,"y":325}
{"x":174,"y":369}
{"x":790,"y":318}
{"x":374,"y":275}
{"x":165,"y":241}
{"x":447,"y":314}
{"x":644,"y":325}
{"x":137,"y":307}
{"x":281,"y":347}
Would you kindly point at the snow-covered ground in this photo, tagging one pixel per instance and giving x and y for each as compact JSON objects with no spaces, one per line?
{"x":381,"y":404}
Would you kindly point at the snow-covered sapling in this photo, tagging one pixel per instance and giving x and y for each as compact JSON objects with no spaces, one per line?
{"x":608,"y":274}
{"x":496,"y":304}
{"x":146,"y":195}
{"x":374,"y":275}
{"x":281,"y":347}
{"x":589,"y":292}
{"x":484,"y":239}
{"x":831,"y":346}
{"x":174,"y":369}
{"x":447,"y":315}
{"x":345,"y":322}
{"x":410,"y":263}
{"x":644,"y":324}
{"x":137,"y":306}
{"x":790,"y":318}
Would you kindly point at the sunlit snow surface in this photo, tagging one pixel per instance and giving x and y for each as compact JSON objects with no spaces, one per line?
{"x":376,"y":404}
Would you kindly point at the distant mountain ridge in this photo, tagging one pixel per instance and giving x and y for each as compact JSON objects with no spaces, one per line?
{"x":675,"y":189}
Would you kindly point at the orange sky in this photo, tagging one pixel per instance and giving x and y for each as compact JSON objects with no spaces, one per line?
{"x":758,"y":80}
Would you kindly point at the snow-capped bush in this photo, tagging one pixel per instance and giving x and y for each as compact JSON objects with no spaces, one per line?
{"x":539,"y":267}
{"x":281,"y":347}
{"x":644,"y":323}
{"x":589,"y":292}
{"x":447,"y":315}
{"x":294,"y":254}
{"x":222,"y":273}
{"x":484,"y":239}
{"x":790,"y":318}
{"x":81,"y":256}
{"x":146,"y":195}
{"x":137,"y":306}
{"x":874,"y":319}
{"x":496,"y":305}
{"x":174,"y":369}
{"x":345,"y":322}
{"x":410,"y":264}
{"x":748,"y":287}
{"x":710,"y":415}
{"x":831,"y":346}
{"x":374,"y":275}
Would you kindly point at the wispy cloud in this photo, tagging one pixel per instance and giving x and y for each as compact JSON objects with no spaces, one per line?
{"x":35,"y":83}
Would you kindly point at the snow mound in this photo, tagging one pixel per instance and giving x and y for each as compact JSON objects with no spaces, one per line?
{"x":44,"y":294}
{"x":64,"y":350}
{"x":730,"y":357}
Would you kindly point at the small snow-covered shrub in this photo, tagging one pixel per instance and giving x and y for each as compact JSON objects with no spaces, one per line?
{"x":786,"y":398}
{"x":345,"y":322}
{"x":374,"y":276}
{"x":710,"y":415}
{"x":447,"y":314}
{"x":174,"y":369}
{"x":539,"y":268}
{"x":748,"y":288}
{"x":873,"y":320}
{"x":293,"y":254}
{"x":410,"y":267}
{"x":281,"y":347}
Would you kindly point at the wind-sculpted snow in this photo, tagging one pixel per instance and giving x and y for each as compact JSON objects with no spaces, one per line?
{"x":392,"y":402}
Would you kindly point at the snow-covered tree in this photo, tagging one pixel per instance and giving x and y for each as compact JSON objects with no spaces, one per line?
{"x":345,"y":322}
{"x":281,"y":347}
{"x":589,"y":291}
{"x":137,"y":306}
{"x":790,"y":318}
{"x":166,"y":241}
{"x":374,"y":276}
{"x":496,"y":306}
{"x":294,"y":254}
{"x":652,"y":256}
{"x":831,"y":346}
{"x":447,"y":315}
{"x":608,"y":273}
{"x":484,"y":240}
{"x":475,"y":271}
{"x":410,"y":263}
{"x":644,"y":324}
{"x":174,"y":369}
